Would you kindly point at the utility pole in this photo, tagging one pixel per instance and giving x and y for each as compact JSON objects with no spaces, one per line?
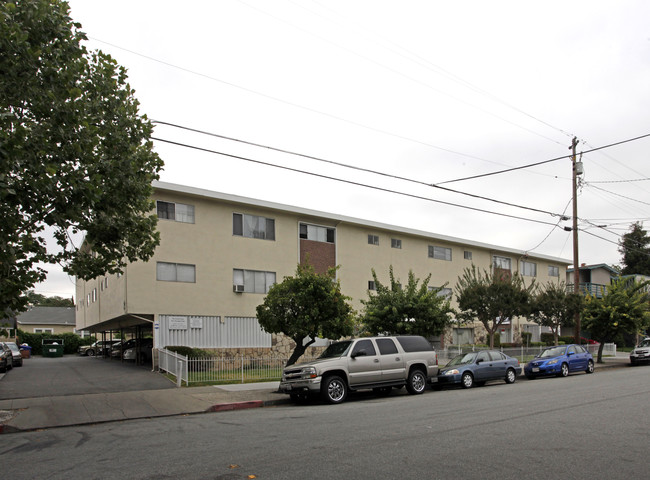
{"x":576,"y":266}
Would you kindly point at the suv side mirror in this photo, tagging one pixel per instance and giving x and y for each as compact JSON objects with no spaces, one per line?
{"x":359,"y":353}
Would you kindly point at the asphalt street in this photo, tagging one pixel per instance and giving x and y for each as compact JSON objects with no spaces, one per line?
{"x":580,"y":427}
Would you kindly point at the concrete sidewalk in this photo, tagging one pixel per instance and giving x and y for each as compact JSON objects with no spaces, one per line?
{"x":34,"y":413}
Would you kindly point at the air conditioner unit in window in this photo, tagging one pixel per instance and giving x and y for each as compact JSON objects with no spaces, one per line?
{"x":238,"y":288}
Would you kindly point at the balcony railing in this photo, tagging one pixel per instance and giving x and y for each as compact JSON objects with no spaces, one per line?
{"x":593,"y":289}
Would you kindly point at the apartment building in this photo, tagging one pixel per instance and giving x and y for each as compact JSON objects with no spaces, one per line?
{"x":220,"y":253}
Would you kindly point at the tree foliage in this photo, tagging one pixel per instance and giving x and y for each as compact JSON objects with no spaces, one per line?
{"x":553,"y":307}
{"x":634,"y":246}
{"x":75,"y":155}
{"x":623,"y":308}
{"x":405,"y":310}
{"x":492,"y":298}
{"x":306,"y":305}
{"x":39,"y":300}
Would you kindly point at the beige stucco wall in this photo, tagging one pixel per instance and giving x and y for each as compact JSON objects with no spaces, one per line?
{"x":210,"y":245}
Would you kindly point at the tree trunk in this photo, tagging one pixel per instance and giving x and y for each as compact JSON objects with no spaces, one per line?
{"x":555,"y":336}
{"x":298,"y":351}
{"x":600,"y":352}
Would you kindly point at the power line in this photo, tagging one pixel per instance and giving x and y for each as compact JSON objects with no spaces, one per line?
{"x":621,"y":181}
{"x":359,"y":184}
{"x":362,"y":169}
{"x":296,"y":105}
{"x":544,"y":161}
{"x":617,"y":194}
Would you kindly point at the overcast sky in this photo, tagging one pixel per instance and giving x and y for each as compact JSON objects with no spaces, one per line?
{"x":433,"y":92}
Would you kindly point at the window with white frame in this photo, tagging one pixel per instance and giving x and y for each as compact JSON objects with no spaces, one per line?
{"x":43,"y":330}
{"x":396,"y":243}
{"x":528,"y":269}
{"x":440,"y":253}
{"x":175,"y":272}
{"x":467,"y":255}
{"x":253,"y":281}
{"x":253,"y":226}
{"x":553,"y":271}
{"x":373,"y":239}
{"x":179,"y":212}
{"x":502,"y":263}
{"x":316,"y":233}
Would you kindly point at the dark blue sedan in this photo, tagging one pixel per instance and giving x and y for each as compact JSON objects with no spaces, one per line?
{"x":479,"y":367}
{"x":560,"y":361}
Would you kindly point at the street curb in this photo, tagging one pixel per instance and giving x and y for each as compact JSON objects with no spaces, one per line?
{"x":224,"y":407}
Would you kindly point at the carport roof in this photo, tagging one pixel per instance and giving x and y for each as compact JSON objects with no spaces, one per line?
{"x":121,"y":323}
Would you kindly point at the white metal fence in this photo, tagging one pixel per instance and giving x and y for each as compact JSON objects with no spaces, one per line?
{"x":221,"y":369}
{"x":523,"y":354}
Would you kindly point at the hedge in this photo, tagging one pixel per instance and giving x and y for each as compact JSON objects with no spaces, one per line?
{"x":71,"y":341}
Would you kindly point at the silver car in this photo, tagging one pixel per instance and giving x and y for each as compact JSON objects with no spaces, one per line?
{"x":641,"y":353}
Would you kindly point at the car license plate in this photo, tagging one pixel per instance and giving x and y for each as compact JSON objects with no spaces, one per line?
{"x":535,"y":369}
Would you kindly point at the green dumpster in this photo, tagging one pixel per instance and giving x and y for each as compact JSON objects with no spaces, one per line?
{"x":52,"y":347}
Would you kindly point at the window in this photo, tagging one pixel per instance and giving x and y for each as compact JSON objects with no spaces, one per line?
{"x":252,"y":226}
{"x":444,"y":292}
{"x":371,"y":285}
{"x":497,"y":356}
{"x":316,"y":233}
{"x":43,"y":330}
{"x":386,"y":346}
{"x":440,"y":253}
{"x":482,"y":357}
{"x":88,"y":300}
{"x":254,"y":281}
{"x":502,"y":263}
{"x":94,"y":295}
{"x":553,"y":271}
{"x":366,"y":346}
{"x":373,"y":239}
{"x":467,"y":255}
{"x":528,"y":268}
{"x":175,"y":211}
{"x":396,"y":243}
{"x":175,"y":272}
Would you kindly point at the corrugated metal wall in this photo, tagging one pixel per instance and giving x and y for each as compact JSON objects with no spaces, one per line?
{"x":211,"y":332}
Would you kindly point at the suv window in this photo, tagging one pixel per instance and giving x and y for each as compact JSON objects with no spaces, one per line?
{"x":364,"y":345}
{"x":386,"y":346}
{"x":414,"y":344}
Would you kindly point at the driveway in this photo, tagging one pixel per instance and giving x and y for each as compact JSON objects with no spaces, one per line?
{"x":75,"y":375}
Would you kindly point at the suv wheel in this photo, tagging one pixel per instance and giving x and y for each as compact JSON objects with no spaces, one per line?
{"x":417,"y":382}
{"x":334,"y":389}
{"x":90,"y":352}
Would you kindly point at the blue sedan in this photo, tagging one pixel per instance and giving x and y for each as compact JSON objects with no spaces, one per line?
{"x":560,"y":361}
{"x":478,"y":367}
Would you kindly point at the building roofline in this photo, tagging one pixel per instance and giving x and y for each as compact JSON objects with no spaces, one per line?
{"x":209,"y":194}
{"x":594,"y":267}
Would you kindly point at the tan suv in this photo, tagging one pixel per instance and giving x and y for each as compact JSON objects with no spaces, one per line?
{"x":378,"y":363}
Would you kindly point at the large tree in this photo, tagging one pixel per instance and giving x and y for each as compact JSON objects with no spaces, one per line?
{"x":554,"y":307}
{"x":75,"y":155}
{"x":306,"y":306}
{"x":492,"y":298}
{"x":634,"y":246}
{"x":410,"y":309}
{"x":624,"y":308}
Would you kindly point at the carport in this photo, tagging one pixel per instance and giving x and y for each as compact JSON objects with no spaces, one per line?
{"x":126,"y":327}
